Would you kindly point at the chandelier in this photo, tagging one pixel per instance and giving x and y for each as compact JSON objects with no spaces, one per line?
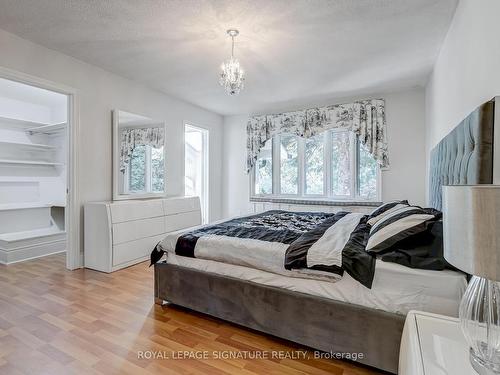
{"x":232,"y":77}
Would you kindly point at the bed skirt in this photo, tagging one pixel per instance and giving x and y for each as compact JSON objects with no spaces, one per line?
{"x":316,"y":322}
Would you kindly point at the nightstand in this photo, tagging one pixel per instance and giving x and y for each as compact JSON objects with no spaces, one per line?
{"x":433,"y":345}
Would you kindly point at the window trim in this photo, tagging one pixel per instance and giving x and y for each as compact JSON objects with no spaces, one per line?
{"x":327,"y":183}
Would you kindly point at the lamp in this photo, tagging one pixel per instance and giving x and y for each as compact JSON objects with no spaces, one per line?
{"x":232,"y":77}
{"x":471,"y":222}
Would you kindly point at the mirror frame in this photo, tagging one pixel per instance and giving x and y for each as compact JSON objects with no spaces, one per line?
{"x":117,"y":196}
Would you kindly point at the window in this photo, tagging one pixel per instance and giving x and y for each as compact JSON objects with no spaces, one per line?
{"x":341,"y":171}
{"x":289,"y":164}
{"x":264,"y":170}
{"x":196,"y":166}
{"x":145,"y":170}
{"x":367,"y":173}
{"x":313,"y":159}
{"x":332,"y":165}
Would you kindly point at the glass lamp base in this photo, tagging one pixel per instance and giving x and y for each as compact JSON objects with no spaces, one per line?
{"x":483,"y":367}
{"x":480,"y":322}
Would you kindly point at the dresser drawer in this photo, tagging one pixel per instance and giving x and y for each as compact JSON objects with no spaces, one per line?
{"x":183,"y":220}
{"x":177,"y":205}
{"x":129,"y":251}
{"x":120,"y":234}
{"x":128,"y":211}
{"x":137,"y":229}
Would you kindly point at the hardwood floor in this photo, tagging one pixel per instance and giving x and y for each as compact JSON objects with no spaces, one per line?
{"x":54,"y":321}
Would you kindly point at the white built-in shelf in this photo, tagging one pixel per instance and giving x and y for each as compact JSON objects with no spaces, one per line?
{"x":30,"y":205}
{"x":8,"y":122}
{"x":34,"y":233}
{"x":47,"y":128}
{"x":57,"y":204}
{"x":29,"y":162}
{"x":26,"y":145}
{"x":31,"y":126}
{"x":23,"y":206}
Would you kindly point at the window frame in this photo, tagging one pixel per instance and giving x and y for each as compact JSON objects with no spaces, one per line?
{"x":327,"y":175}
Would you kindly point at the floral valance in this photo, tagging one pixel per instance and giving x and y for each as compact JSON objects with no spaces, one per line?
{"x":130,"y":138}
{"x":365,"y":118}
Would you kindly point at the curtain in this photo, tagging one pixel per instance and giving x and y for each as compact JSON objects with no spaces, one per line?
{"x":153,"y":137}
{"x":365,"y":118}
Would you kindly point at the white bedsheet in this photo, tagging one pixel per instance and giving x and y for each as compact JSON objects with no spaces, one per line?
{"x":396,"y":288}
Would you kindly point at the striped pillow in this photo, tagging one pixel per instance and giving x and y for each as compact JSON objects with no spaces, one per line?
{"x":400,"y":223}
{"x":385,"y":209}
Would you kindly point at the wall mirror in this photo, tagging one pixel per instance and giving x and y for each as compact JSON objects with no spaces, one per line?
{"x":138,"y":156}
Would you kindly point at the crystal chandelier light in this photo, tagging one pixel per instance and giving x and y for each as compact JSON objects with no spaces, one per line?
{"x":232,"y":77}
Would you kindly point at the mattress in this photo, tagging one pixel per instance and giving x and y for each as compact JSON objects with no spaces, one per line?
{"x":396,"y":288}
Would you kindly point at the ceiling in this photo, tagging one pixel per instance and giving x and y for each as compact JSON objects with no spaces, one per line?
{"x":294,"y":52}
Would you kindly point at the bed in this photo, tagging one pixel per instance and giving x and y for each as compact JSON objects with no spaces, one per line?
{"x":342,"y":316}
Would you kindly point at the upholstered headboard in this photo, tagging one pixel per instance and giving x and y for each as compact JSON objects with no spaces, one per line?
{"x":466,"y":155}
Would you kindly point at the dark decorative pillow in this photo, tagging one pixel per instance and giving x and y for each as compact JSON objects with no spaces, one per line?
{"x":399,"y":224}
{"x":423,"y":250}
{"x":385,"y":209}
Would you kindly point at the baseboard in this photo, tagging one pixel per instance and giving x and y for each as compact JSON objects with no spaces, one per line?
{"x":33,"y":252}
{"x":31,"y":242}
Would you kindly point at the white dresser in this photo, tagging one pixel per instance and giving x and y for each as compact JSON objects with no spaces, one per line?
{"x":433,"y":345}
{"x":119,"y":234}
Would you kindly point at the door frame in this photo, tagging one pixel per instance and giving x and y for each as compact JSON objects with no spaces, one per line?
{"x":74,"y":257}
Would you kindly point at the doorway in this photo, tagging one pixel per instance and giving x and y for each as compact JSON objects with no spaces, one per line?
{"x":196,"y":166}
{"x":37,"y":175}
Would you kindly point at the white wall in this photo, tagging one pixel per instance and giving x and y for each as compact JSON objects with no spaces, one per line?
{"x":235,"y":183}
{"x":405,"y":179}
{"x":99,"y":92}
{"x":467,"y":70}
{"x":20,"y":110}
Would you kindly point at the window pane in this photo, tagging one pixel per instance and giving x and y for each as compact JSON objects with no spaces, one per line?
{"x":157,"y":169}
{"x":341,"y":164}
{"x":367,"y":174}
{"x":196,"y":166}
{"x":289,"y":164}
{"x":314,"y":158}
{"x":137,"y":172}
{"x":193,"y":162}
{"x":264,"y":170}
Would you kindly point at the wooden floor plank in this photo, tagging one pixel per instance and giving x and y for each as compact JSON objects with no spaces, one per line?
{"x":55,"y":321}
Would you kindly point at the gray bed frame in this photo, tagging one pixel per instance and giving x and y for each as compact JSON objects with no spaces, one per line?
{"x":465,"y":156}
